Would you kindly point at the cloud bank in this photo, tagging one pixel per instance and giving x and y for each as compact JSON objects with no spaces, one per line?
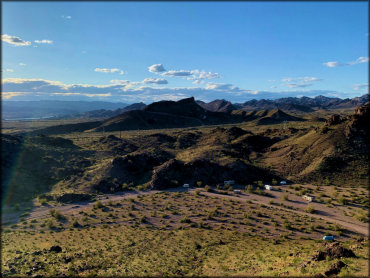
{"x":154,"y":81}
{"x":124,"y":90}
{"x":196,"y":75}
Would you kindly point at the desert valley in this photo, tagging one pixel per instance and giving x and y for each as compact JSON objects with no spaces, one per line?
{"x":185,"y":139}
{"x":202,"y":180}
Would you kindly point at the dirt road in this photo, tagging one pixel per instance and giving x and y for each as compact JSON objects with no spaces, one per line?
{"x":322,"y":212}
{"x":332,"y":215}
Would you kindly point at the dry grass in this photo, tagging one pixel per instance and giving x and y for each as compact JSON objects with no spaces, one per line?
{"x":118,"y":250}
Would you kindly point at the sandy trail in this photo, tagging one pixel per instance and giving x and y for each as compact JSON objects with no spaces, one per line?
{"x":328,"y":214}
{"x":332,"y":215}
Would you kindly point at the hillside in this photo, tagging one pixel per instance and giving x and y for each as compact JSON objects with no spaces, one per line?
{"x":218,"y":105}
{"x":168,"y":114}
{"x":184,"y":113}
{"x":277,"y":116}
{"x":31,"y":166}
{"x":336,"y":151}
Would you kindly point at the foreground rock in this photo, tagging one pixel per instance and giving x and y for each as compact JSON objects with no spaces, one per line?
{"x":55,"y":248}
{"x":334,"y":251}
{"x":335,"y":268}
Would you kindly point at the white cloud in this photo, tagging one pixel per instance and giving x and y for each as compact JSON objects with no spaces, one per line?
{"x":299,"y":82}
{"x":114,"y":70}
{"x":295,"y":85}
{"x":130,"y":84}
{"x":9,"y":70}
{"x":173,"y":73}
{"x":14,"y":40}
{"x":66,"y":16}
{"x":271,"y":80}
{"x":83,"y":51}
{"x":198,"y":81}
{"x":156,"y":68}
{"x":219,"y":86}
{"x":206,"y":75}
{"x":301,"y":79}
{"x":22,"y":64}
{"x":35,"y":87}
{"x":228,"y":88}
{"x":43,"y":41}
{"x":358,"y":87}
{"x":333,"y":64}
{"x":359,"y":60}
{"x":83,"y":94}
{"x":196,"y":75}
{"x":273,"y":87}
{"x":154,"y":81}
{"x":199,"y":76}
{"x":121,"y":82}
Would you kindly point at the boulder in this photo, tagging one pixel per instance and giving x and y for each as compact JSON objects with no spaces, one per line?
{"x":334,"y":120}
{"x":334,"y":250}
{"x":335,"y":268}
{"x":55,"y":248}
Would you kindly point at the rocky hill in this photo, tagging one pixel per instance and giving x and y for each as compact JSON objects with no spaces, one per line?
{"x":168,"y":114}
{"x":218,"y":105}
{"x":277,"y":116}
{"x":336,"y":151}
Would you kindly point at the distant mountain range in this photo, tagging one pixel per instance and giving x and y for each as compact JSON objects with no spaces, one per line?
{"x":104,"y":110}
{"x":103,"y":113}
{"x":52,"y":108}
{"x":172,"y":114}
{"x":302,"y":104}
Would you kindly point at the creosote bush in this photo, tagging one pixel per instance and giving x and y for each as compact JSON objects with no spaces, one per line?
{"x":98,"y":204}
{"x":310,"y":209}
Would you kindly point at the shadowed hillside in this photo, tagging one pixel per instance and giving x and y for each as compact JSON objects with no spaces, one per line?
{"x":337,"y":151}
{"x":218,"y":105}
{"x":275,"y":117}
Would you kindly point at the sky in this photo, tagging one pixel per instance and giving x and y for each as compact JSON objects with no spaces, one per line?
{"x":150,"y":51}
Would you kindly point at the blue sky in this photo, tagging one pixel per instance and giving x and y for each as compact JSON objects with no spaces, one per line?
{"x":210,"y":50}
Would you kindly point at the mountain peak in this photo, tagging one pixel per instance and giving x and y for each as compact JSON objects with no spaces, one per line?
{"x":185,"y":107}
